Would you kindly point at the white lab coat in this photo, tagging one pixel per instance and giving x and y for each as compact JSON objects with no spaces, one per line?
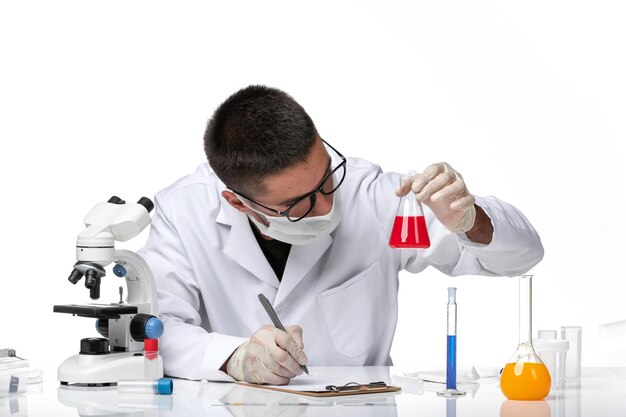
{"x":342,"y":290}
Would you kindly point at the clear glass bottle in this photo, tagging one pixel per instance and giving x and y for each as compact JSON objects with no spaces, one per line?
{"x":409,"y":226}
{"x":525,"y":377}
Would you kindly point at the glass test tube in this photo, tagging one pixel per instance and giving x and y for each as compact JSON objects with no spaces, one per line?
{"x":451,"y":390}
{"x":162,"y":386}
{"x":451,"y":350}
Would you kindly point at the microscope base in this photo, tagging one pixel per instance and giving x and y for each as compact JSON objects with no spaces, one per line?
{"x":106,"y":401}
{"x":104,"y":369}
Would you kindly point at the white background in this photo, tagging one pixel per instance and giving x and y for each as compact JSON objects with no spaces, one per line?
{"x":525,"y":99}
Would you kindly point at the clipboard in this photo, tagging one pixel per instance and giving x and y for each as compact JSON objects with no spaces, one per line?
{"x":351,"y":388}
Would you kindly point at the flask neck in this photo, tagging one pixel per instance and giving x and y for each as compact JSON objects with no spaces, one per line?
{"x":525,"y":310}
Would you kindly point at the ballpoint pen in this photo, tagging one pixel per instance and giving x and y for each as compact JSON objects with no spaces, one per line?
{"x":270,"y":312}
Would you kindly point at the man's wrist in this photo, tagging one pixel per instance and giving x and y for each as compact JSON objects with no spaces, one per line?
{"x":482,"y":230}
{"x":224,"y":367}
{"x":234,"y":365}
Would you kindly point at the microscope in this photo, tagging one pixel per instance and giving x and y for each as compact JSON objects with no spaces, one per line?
{"x":124,"y":325}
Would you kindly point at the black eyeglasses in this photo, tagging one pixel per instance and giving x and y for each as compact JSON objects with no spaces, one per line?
{"x":303,"y":206}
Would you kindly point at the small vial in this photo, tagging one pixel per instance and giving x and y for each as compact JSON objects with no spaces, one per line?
{"x":573,"y":334}
{"x":162,"y":386}
{"x":151,"y":359}
{"x":543,"y":346}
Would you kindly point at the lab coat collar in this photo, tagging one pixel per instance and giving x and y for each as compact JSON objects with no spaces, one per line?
{"x":301,"y":260}
{"x":241,"y":245}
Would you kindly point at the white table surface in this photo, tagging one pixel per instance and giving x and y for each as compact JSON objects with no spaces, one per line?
{"x":600,"y":392}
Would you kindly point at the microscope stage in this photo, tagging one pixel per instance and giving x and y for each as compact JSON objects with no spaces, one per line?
{"x":99,"y":311}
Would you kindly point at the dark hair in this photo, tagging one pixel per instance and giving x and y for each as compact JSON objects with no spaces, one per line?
{"x":256,"y":132}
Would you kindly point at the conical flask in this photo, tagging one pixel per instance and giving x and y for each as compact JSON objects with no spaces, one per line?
{"x":525,"y":377}
{"x":409,"y":226}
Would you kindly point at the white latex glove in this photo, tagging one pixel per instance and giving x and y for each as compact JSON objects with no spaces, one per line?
{"x":271,"y":356}
{"x":442,"y":189}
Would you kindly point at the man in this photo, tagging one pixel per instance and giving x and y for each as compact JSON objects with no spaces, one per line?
{"x":279,"y":211}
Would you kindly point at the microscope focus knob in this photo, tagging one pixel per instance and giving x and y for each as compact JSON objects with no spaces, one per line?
{"x":102,"y":327}
{"x":119,"y":270}
{"x":145,"y":326}
{"x":154,"y":328}
{"x":94,"y":346}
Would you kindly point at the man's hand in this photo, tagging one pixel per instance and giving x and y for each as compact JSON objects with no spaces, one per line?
{"x":442,"y":189}
{"x":271,"y":356}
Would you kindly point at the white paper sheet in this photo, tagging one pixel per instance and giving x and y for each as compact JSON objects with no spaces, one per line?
{"x":312,"y":383}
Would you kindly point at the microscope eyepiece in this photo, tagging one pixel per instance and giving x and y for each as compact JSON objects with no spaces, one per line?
{"x":147,"y":203}
{"x":116,"y":200}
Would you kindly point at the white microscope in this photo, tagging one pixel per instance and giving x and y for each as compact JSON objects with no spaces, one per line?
{"x":118,"y":355}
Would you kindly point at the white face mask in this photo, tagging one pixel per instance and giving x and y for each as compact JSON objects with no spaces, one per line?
{"x":302,"y":232}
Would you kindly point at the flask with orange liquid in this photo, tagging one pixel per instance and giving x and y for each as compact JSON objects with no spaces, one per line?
{"x":525,"y":377}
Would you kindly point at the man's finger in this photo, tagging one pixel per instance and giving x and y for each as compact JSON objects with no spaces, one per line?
{"x":288,"y":353}
{"x":262,"y":375}
{"x":419,"y":181}
{"x":282,"y":359}
{"x":259,"y":367}
{"x":434,"y":185}
{"x":277,"y":369}
{"x":295,"y":332}
{"x":405,"y":187}
{"x":456,"y":189}
{"x":433,"y":170}
{"x":285,"y":341}
{"x":463,"y":203}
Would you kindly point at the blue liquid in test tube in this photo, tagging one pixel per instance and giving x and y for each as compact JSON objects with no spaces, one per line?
{"x":451,"y":390}
{"x":451,"y":364}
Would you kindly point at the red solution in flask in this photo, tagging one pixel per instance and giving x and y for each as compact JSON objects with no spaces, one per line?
{"x":409,"y":226}
{"x":409,"y":232}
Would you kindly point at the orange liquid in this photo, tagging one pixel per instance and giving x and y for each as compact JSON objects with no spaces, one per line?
{"x":511,"y":408}
{"x":525,"y":381}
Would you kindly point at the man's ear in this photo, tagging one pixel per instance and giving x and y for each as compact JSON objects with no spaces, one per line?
{"x":234,"y":201}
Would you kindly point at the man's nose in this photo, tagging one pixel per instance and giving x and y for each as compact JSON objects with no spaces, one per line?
{"x":323,"y":205}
